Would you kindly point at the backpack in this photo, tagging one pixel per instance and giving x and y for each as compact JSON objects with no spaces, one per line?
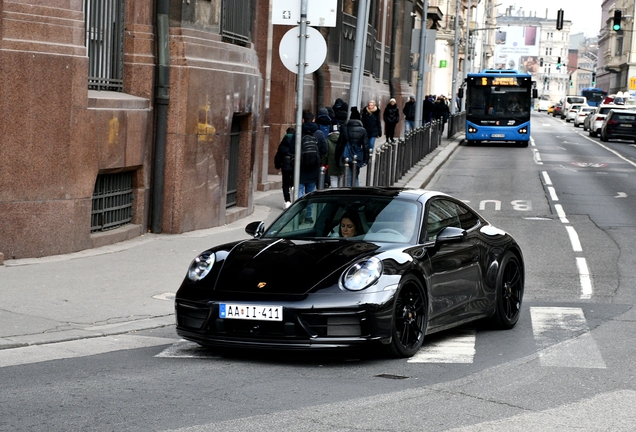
{"x":309,"y":153}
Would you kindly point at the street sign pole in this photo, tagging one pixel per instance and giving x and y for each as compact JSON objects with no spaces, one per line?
{"x":419,"y":98}
{"x":357,"y":69}
{"x":302,"y":43}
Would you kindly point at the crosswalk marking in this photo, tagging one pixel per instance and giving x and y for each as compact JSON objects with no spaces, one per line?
{"x":551,"y":325}
{"x":77,"y":348}
{"x":458,"y":347}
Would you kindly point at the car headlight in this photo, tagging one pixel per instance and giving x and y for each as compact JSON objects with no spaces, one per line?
{"x":201,"y":266}
{"x":362,"y":274}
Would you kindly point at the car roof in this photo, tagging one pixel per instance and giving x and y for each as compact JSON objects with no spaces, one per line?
{"x":397,"y":192}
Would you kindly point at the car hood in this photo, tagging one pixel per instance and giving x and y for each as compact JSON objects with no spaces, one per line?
{"x":283,"y":266}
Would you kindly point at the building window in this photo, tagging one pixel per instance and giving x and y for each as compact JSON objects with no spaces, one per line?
{"x":236,"y":21}
{"x":112,"y":201}
{"x":104,"y":39}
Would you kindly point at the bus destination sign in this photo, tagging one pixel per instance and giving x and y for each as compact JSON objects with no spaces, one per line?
{"x":499,"y":81}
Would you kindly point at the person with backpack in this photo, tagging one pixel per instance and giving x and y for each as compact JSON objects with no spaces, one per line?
{"x":353,"y":142}
{"x":284,"y":161}
{"x":330,"y":160}
{"x":313,"y":147}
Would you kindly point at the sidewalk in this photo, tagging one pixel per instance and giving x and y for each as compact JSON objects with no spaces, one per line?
{"x":128,"y":286}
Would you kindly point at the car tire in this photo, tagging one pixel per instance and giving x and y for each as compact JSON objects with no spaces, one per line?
{"x":592,"y":134}
{"x":603,"y":137}
{"x":410,"y":318}
{"x":509,"y":292}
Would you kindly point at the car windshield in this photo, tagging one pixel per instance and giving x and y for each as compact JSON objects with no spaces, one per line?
{"x":369,"y":218}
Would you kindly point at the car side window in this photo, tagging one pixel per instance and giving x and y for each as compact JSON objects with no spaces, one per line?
{"x":467,"y":218}
{"x":441,"y":214}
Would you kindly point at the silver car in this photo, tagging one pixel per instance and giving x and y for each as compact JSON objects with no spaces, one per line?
{"x":573,"y":111}
{"x":582,"y":113}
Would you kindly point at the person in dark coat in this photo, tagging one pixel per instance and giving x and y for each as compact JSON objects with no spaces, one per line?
{"x":284,"y":161}
{"x":409,"y":115}
{"x":341,"y":111}
{"x":428,"y":109}
{"x":391,"y":119}
{"x":353,"y":141}
{"x":441,"y":111}
{"x":372,"y":122}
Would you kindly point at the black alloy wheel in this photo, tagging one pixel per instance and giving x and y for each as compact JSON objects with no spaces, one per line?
{"x":510,"y":284}
{"x":410,"y":318}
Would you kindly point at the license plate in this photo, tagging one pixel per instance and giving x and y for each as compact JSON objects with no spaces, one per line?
{"x":625,"y":125}
{"x":250,"y":312}
{"x":497,"y":136}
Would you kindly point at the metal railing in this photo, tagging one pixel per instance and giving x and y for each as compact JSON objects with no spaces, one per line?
{"x":112,"y":201}
{"x":456,"y":123}
{"x":104,"y":39}
{"x":236,"y":21}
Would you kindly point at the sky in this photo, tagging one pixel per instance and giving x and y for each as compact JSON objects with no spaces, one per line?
{"x":585,"y":15}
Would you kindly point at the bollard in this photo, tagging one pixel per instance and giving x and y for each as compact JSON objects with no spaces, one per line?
{"x":321,"y":178}
{"x":345,"y":181}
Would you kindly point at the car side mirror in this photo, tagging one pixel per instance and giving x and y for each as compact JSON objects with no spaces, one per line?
{"x":255,"y":229}
{"x":451,"y":235}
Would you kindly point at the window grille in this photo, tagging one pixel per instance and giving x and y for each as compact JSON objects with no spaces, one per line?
{"x":112,"y":201}
{"x":236,"y":22}
{"x":104,"y":24}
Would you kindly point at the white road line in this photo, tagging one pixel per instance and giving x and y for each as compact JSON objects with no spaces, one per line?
{"x":546,"y":178}
{"x":586,"y":279}
{"x":553,"y":194}
{"x":551,"y":325}
{"x":457,"y":348}
{"x":620,"y":195}
{"x":537,"y":157}
{"x":574,"y":239}
{"x":561,"y":213}
{"x":77,"y":348}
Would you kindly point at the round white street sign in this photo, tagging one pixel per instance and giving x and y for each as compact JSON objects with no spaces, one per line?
{"x":315,"y":50}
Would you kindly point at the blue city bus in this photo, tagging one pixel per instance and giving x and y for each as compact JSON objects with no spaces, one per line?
{"x":498,"y":104}
{"x":595,"y":96}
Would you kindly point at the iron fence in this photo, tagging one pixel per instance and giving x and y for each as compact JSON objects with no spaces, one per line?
{"x":112,"y":201}
{"x":236,"y":22}
{"x":104,"y":39}
{"x":456,"y":123}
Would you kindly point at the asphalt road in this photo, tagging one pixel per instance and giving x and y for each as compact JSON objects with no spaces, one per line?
{"x":567,"y":365}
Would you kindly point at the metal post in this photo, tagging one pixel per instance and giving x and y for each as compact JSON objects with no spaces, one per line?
{"x":455,"y":59}
{"x":419,"y":98}
{"x":302,"y":43}
{"x":357,"y":69}
{"x":466,"y":49}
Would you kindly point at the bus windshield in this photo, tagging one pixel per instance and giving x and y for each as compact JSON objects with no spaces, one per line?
{"x":487,"y":98}
{"x":594,"y":96}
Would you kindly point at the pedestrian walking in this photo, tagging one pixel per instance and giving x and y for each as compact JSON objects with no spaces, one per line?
{"x":341,"y":111}
{"x":284,"y":161}
{"x":391,"y":119}
{"x":409,"y":115}
{"x":353,"y":142}
{"x":331,"y":161}
{"x":428,"y":109}
{"x":441,"y":112}
{"x":372,"y":122}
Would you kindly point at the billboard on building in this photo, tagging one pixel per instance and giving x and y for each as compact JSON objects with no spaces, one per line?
{"x":517,"y":48}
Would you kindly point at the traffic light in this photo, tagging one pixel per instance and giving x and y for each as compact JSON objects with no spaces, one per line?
{"x":617,"y":20}
{"x":541,"y":61}
{"x":558,"y":63}
{"x":559,"y":22}
{"x":593,"y":79}
{"x":571,"y":85}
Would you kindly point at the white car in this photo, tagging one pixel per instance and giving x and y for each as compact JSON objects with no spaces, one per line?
{"x":543,"y":105}
{"x":573,"y":111}
{"x":583,"y":112}
{"x":596,"y":121}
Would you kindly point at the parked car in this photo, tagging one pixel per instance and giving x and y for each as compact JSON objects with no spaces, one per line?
{"x":596,"y":122}
{"x":550,"y":109}
{"x":573,"y":111}
{"x":619,"y":124}
{"x":580,"y":116}
{"x":556,"y":112}
{"x":418,"y":262}
{"x":572,"y":100}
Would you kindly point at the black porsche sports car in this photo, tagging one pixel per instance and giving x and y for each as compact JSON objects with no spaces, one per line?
{"x":343,"y":268}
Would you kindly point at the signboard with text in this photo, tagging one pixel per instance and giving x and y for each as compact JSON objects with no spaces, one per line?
{"x":320,"y":13}
{"x":517,"y":48}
